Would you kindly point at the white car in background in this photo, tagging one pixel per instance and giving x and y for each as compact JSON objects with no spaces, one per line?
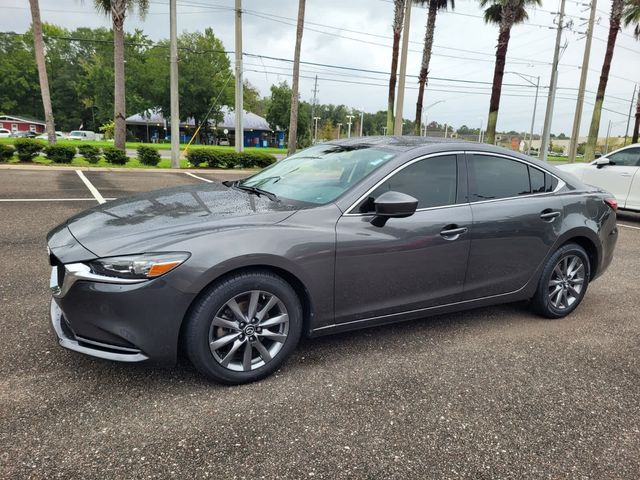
{"x":617,"y":172}
{"x":4,"y":133}
{"x":44,"y":136}
{"x":81,"y":135}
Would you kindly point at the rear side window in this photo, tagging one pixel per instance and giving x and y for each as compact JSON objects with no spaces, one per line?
{"x":550,"y":182}
{"x":497,"y":177}
{"x":432,"y":181}
{"x":537,"y":178}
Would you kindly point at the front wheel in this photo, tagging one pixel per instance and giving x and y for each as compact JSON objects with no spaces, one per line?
{"x":242,"y":329}
{"x":563,"y":282}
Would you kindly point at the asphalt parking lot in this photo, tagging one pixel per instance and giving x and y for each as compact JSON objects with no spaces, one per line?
{"x":490,"y":393}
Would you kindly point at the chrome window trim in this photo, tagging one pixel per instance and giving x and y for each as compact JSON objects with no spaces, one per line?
{"x":390,"y":174}
{"x":561,"y":183}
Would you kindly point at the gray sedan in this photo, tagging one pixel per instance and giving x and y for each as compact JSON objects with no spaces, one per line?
{"x":340,"y":236}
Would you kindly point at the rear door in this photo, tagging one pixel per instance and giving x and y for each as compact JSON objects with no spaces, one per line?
{"x":617,"y":176}
{"x":409,"y":263}
{"x":516,"y":220}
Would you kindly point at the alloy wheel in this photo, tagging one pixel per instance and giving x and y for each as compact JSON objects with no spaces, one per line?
{"x":248,"y":331}
{"x":566,"y":282}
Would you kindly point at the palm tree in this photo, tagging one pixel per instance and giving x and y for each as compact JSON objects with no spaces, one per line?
{"x":434,"y":6}
{"x":38,"y":44}
{"x":631,"y":15}
{"x":118,"y":9}
{"x":505,"y":14}
{"x":293,"y":116}
{"x":614,"y":25}
{"x":398,"y":17}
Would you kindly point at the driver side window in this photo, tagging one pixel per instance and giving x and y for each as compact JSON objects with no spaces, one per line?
{"x":432,"y":181}
{"x":626,"y":158}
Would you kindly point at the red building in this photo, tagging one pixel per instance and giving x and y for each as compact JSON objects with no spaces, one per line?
{"x":21,"y":124}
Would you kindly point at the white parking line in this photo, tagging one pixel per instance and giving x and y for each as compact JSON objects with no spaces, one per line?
{"x":628,"y":226}
{"x":94,"y":191}
{"x":199,"y":178}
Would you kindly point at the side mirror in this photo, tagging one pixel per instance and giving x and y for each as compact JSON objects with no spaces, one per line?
{"x":393,"y":205}
{"x":602,"y":161}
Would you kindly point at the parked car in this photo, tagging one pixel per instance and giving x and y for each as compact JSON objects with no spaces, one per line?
{"x":4,"y":133}
{"x":340,"y":236}
{"x":81,"y":135}
{"x":44,"y":136}
{"x":23,"y":134}
{"x":224,"y":142}
{"x":617,"y":172}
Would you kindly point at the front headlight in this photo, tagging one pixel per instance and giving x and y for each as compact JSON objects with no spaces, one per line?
{"x":137,"y":267}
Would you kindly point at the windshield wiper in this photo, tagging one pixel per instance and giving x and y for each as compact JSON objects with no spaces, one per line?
{"x":257,"y":191}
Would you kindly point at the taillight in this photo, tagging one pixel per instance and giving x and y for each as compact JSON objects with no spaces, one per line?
{"x":612,"y":202}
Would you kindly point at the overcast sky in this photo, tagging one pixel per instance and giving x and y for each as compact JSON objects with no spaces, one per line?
{"x":356,"y":33}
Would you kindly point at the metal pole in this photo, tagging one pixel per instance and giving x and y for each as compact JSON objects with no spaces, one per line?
{"x":397,"y":126}
{"x":349,"y":118}
{"x":480,"y":131}
{"x":174,"y":100}
{"x":425,"y":124}
{"x":546,"y":131}
{"x":606,"y":142}
{"x":575,"y":130}
{"x":339,"y":126}
{"x":533,"y":118}
{"x":626,"y":132}
{"x":239,"y":86}
{"x":315,"y":134}
{"x":384,"y":131}
{"x":362,"y":120}
{"x":446,"y":127}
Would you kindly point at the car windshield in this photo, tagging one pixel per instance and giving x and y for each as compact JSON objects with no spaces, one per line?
{"x":319,"y":174}
{"x":76,"y":133}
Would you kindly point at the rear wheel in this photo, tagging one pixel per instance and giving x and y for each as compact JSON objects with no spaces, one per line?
{"x":242,"y":329}
{"x":563,"y":282}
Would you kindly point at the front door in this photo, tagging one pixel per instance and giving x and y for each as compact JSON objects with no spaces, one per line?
{"x":615,"y":177}
{"x":409,"y":263}
{"x":516,"y":221}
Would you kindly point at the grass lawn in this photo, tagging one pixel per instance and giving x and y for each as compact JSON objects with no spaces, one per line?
{"x":157,"y":146}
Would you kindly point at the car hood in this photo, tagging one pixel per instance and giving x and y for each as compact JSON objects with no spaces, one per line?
{"x":157,"y":219}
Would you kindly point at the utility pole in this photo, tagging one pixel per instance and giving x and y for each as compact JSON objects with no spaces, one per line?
{"x":315,"y":133}
{"x":546,"y":131}
{"x":361,"y":121}
{"x":606,"y":142}
{"x":339,"y":126}
{"x":349,"y":118}
{"x":239,"y":85}
{"x":480,"y":131}
{"x":175,"y":102}
{"x":575,"y":131}
{"x":533,"y":118}
{"x":397,"y":126}
{"x":626,"y":132}
{"x":446,"y":127}
{"x":315,"y":96}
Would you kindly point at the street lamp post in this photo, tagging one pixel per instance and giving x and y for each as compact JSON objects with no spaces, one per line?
{"x":339,"y":126}
{"x":315,"y":134}
{"x":424,"y":110}
{"x":535,"y":103}
{"x":349,"y":119}
{"x":361,"y":121}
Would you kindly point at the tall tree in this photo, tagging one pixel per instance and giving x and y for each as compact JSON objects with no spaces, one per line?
{"x":631,"y":16}
{"x":293,"y":119}
{"x":38,"y":44}
{"x":398,"y":17}
{"x":505,"y":14}
{"x":118,"y":9}
{"x":434,"y":7}
{"x":614,"y":26}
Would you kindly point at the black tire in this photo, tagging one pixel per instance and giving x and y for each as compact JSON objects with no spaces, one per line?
{"x":199,"y":326}
{"x":542,"y":302}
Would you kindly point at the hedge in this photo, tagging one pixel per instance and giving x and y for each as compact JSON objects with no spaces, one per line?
{"x":6,"y":152}
{"x":91,"y":153}
{"x":217,"y":159}
{"x":115,"y":156}
{"x":60,"y":153}
{"x":148,"y":156}
{"x":28,"y":148}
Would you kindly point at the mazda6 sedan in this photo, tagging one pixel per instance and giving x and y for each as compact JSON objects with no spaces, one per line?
{"x":340,"y":236}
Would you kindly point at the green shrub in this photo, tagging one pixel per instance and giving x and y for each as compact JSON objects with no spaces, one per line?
{"x":91,"y":153}
{"x":28,"y":148}
{"x":148,"y":156}
{"x":60,"y":153}
{"x":222,"y":159}
{"x":6,"y":152}
{"x":115,"y":156}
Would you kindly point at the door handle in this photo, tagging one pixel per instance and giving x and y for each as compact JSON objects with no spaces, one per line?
{"x":549,"y":215}
{"x":452,"y":232}
{"x":625,"y":174}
